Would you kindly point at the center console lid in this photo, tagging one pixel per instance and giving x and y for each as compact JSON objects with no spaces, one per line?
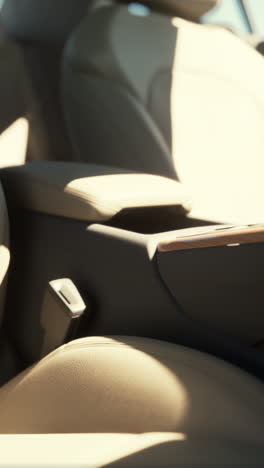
{"x":89,"y":192}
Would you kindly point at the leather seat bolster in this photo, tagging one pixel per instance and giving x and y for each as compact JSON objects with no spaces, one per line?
{"x":88,"y":192}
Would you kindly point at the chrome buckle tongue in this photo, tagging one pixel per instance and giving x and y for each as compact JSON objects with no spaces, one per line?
{"x":62,"y":309}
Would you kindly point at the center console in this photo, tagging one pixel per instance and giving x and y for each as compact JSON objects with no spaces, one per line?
{"x":216,"y":275}
{"x":199,"y":281}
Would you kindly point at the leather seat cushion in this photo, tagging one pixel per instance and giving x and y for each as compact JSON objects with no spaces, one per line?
{"x":134,"y":385}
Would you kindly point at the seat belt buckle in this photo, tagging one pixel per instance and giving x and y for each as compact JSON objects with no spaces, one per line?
{"x":61,"y":312}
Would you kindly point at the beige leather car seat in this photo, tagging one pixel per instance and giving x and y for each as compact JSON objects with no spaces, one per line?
{"x":148,"y":92}
{"x":135,"y":402}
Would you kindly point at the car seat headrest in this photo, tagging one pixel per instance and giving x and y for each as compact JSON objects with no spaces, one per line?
{"x":188,"y":9}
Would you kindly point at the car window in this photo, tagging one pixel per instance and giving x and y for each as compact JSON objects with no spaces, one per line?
{"x":228,"y":14}
{"x":256,"y":10}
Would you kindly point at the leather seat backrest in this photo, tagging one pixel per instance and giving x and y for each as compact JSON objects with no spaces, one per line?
{"x":105,"y":95}
{"x":171,"y":97}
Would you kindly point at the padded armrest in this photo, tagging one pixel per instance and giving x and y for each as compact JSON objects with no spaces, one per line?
{"x":88,"y":192}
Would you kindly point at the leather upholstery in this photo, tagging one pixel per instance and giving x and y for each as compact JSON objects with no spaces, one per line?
{"x":97,"y":67}
{"x":172,"y":98}
{"x":112,"y":388}
{"x":88,"y":192}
